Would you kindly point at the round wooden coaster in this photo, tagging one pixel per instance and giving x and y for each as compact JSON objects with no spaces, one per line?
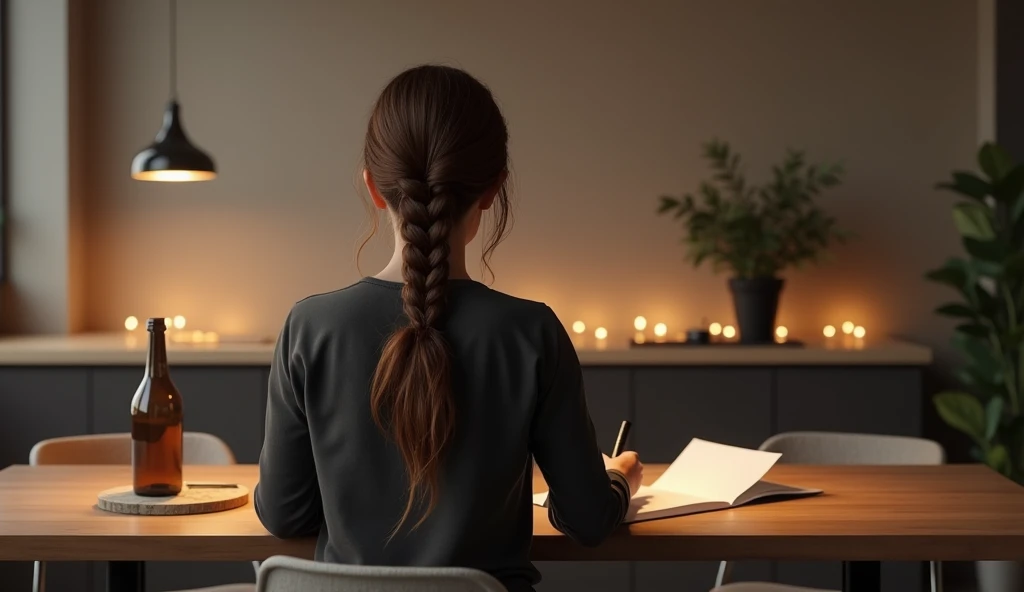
{"x":191,"y":500}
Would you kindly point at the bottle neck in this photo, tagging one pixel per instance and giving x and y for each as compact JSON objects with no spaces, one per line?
{"x":156,"y":361}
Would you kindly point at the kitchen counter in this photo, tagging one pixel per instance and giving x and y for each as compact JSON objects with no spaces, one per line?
{"x":121,"y":350}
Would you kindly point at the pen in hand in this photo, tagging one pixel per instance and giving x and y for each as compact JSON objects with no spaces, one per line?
{"x":620,"y":440}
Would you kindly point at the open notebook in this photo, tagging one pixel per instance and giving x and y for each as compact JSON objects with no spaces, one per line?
{"x":706,"y":476}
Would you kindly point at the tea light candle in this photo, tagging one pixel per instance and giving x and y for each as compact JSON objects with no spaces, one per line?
{"x":578,"y":328}
{"x":781,"y":333}
{"x":660,"y":331}
{"x":728,"y":331}
{"x":715,"y":329}
{"x":639,"y":323}
{"x":179,"y":322}
{"x":829,"y":331}
{"x":130,"y":325}
{"x":601,"y":334}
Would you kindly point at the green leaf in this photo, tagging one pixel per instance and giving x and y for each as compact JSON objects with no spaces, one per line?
{"x":986,"y":364}
{"x":973,"y":329}
{"x":667,"y":203}
{"x":953,"y":273}
{"x":955,"y":310}
{"x":993,"y":414}
{"x":968,"y":184}
{"x":991,"y":251}
{"x":962,"y":412}
{"x":995,"y":161}
{"x":999,"y":459}
{"x":972,"y":221}
{"x":1009,"y":189}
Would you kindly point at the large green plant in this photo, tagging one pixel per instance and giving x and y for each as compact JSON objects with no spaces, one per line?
{"x":756,"y":231}
{"x":990,"y":283}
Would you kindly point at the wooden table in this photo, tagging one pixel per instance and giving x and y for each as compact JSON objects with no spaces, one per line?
{"x":867,"y":515}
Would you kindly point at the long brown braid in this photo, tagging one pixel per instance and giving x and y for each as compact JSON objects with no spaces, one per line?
{"x":436,"y":142}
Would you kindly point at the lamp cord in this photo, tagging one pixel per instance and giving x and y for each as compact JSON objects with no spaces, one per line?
{"x":174,"y":49}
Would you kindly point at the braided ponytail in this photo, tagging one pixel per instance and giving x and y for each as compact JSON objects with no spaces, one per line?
{"x":436,"y":142}
{"x":411,"y":392}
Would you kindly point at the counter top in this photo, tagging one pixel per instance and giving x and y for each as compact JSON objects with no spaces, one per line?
{"x":120,"y":350}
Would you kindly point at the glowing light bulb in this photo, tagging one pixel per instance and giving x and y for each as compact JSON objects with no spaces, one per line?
{"x":728,"y":331}
{"x":715,"y":329}
{"x":661,"y":329}
{"x":179,"y":322}
{"x":829,"y":331}
{"x":859,"y":332}
{"x":639,"y":323}
{"x":578,"y":327}
{"x":601,"y":333}
{"x":781,"y":332}
{"x":848,"y":327}
{"x":131,"y":323}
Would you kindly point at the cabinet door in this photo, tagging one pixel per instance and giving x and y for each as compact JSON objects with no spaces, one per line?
{"x":592,"y":576}
{"x":36,"y":404}
{"x":608,"y":402}
{"x":867,"y":400}
{"x":727,"y":405}
{"x":226,"y":402}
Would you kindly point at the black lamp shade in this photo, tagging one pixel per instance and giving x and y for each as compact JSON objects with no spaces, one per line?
{"x":172,"y":157}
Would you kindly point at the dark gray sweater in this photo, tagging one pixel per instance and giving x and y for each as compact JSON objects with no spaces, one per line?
{"x":327,"y":470}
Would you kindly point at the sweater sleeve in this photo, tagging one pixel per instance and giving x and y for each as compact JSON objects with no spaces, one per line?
{"x":287,"y":497}
{"x":585,"y":502}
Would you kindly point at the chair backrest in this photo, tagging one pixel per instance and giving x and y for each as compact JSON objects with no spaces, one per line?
{"x":198,"y":448}
{"x":286,"y":574}
{"x":836,"y":448}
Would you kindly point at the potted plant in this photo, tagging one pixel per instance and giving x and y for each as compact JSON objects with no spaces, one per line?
{"x":990,"y":283}
{"x":756,"y":231}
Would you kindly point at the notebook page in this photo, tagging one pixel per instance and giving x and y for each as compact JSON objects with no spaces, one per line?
{"x":715,"y":471}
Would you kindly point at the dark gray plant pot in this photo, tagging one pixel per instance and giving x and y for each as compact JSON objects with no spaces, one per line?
{"x":756,"y":301}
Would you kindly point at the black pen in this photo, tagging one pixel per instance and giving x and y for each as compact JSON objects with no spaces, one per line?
{"x":620,"y":441}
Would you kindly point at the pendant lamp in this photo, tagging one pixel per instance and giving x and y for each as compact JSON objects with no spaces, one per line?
{"x":172,"y":157}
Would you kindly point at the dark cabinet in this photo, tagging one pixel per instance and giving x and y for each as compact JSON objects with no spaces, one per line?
{"x":608,"y":400}
{"x":36,"y":404}
{"x":674,"y":405}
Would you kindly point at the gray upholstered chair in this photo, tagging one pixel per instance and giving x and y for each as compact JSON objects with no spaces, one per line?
{"x":116,"y":449}
{"x":286,"y":574}
{"x":833,"y":448}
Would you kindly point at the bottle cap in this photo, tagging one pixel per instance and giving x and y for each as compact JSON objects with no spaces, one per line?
{"x":156,"y":324}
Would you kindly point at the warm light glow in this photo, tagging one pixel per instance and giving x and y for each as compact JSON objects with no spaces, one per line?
{"x":715,"y":329}
{"x":211,"y":337}
{"x":728,"y":331}
{"x":131,"y":323}
{"x":179,"y":322}
{"x":168,"y":323}
{"x":859,"y":332}
{"x":601,"y":333}
{"x":848,"y":327}
{"x":661,"y":329}
{"x":174,"y":176}
{"x":829,"y":331}
{"x":578,"y":327}
{"x":197,"y":336}
{"x":781,"y":332}
{"x":639,"y":323}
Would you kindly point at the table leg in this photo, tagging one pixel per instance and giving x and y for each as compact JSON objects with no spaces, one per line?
{"x":126,"y":576}
{"x":862,"y":576}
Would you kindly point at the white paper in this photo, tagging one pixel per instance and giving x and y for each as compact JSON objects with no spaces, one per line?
{"x":715,"y":472}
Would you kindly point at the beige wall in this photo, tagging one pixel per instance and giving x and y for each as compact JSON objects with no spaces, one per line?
{"x":45,"y":291}
{"x":608,"y":103}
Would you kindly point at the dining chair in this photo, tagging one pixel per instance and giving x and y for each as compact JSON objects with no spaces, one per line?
{"x":287,"y":574}
{"x":198,"y":448}
{"x":838,"y":448}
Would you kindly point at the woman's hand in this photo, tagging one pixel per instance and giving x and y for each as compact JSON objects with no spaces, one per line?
{"x":628,"y":463}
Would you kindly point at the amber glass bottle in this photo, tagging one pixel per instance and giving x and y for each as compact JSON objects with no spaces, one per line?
{"x":156,"y":423}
